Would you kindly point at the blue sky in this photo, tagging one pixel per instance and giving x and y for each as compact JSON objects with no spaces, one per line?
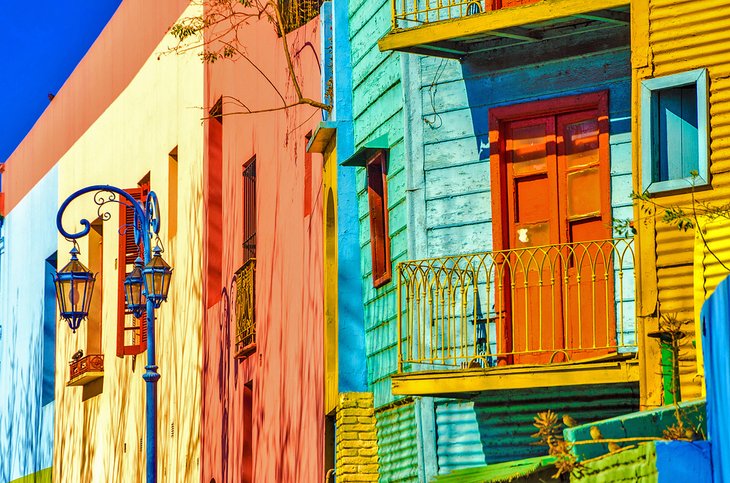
{"x":40,"y":44}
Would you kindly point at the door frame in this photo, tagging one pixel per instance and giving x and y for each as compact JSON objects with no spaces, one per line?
{"x":500,"y":116}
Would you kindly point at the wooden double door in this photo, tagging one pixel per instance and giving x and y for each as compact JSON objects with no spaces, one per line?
{"x":552,"y":186}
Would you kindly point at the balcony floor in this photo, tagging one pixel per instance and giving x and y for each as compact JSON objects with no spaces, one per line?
{"x":464,"y":383}
{"x":564,"y":23}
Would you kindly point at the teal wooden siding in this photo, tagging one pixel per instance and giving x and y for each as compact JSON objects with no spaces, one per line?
{"x":452,"y":143}
{"x":458,"y":444}
{"x":397,"y":444}
{"x":378,"y":110}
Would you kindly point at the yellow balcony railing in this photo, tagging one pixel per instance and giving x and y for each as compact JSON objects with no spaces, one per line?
{"x":245,"y":305}
{"x":536,"y":305}
{"x":411,"y":13}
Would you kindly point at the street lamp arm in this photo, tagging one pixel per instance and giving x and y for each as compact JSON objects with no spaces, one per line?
{"x":144,"y":217}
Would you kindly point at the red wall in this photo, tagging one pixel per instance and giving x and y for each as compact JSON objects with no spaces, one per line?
{"x":106,"y":69}
{"x":287,"y":370}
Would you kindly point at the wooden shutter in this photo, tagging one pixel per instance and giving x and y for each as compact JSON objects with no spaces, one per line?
{"x":249,"y":210}
{"x":378,"y":207}
{"x":131,"y":332}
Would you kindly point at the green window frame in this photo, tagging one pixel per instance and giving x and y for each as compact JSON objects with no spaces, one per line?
{"x":674,"y":132}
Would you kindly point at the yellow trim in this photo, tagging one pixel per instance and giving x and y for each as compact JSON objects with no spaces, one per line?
{"x":434,"y":383}
{"x":331,"y":354}
{"x":85,"y":378}
{"x":492,"y":21}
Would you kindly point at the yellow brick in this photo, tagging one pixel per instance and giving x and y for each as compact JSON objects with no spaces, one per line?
{"x":358,"y":478}
{"x":363,"y":428}
{"x":354,"y":443}
{"x":367,"y":436}
{"x":368,"y":451}
{"x":367,"y":468}
{"x":345,"y":452}
{"x":365,"y":420}
{"x":347,"y":420}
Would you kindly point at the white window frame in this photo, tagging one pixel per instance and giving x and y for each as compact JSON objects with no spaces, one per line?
{"x":650,"y":118}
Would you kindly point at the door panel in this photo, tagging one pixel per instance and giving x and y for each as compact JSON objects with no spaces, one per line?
{"x":533,"y":321}
{"x":585,"y":214}
{"x":558,"y":297}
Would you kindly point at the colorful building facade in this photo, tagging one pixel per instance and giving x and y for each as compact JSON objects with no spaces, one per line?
{"x":399,"y":231}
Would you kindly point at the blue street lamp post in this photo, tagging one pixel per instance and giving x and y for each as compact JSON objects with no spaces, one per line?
{"x":145,"y":288}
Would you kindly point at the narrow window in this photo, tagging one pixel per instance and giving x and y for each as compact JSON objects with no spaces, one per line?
{"x":307,"y":178}
{"x":249,"y":210}
{"x":214,"y":202}
{"x":49,"y":331}
{"x":131,"y":332}
{"x":96,"y":265}
{"x":674,"y":132}
{"x":172,"y":187}
{"x":248,"y":444}
{"x":378,"y":206}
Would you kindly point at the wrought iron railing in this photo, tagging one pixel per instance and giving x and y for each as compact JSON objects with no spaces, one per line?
{"x":412,"y":13}
{"x":295,"y":13}
{"x":245,"y":309}
{"x":84,"y":365}
{"x":536,"y":305}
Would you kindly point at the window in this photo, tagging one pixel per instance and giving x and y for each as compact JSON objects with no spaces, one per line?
{"x":295,"y":13}
{"x":378,"y":207}
{"x":249,"y":210}
{"x":307,"y":177}
{"x":172,"y":187}
{"x":674,"y":131}
{"x":49,"y":332}
{"x":131,"y":332}
{"x":214,"y":204}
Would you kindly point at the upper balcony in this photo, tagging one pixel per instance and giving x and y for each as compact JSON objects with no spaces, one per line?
{"x":245,"y":309}
{"x":458,"y":28}
{"x":86,"y":369}
{"x":554,"y":315}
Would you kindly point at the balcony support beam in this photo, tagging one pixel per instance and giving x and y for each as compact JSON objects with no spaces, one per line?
{"x":464,"y":383}
{"x":493,"y":21}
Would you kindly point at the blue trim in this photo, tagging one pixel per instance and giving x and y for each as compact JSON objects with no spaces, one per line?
{"x":650,"y":118}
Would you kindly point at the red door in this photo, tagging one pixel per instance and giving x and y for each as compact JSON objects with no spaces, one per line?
{"x":557,"y":297}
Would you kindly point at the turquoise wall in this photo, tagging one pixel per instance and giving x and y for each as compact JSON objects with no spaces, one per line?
{"x":378,"y":110}
{"x":26,"y":425}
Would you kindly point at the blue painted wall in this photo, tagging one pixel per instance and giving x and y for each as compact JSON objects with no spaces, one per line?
{"x":352,"y":371}
{"x":449,"y":198}
{"x":26,"y":425}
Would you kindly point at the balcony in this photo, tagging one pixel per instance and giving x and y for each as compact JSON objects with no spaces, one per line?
{"x":86,"y":370}
{"x":245,"y":306}
{"x":531,"y":317}
{"x":458,"y":28}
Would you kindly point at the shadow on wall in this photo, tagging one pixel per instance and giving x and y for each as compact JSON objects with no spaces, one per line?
{"x":505,"y":418}
{"x":22,"y":425}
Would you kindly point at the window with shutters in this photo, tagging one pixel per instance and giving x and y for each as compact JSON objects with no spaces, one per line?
{"x":674,"y":132}
{"x":378,"y":207}
{"x":249,"y":210}
{"x":131,"y":332}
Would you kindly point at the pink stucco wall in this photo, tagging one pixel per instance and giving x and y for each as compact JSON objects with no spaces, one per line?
{"x":286,"y":372}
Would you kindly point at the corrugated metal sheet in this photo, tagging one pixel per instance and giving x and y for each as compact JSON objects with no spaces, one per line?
{"x":458,"y":442}
{"x":397,"y":445}
{"x":506,"y":418}
{"x":685,"y":35}
{"x":631,"y":465}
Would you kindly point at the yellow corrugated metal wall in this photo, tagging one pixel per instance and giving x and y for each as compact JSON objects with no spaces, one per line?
{"x":668,"y":37}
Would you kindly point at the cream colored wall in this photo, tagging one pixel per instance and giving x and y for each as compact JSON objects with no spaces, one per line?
{"x":98,"y":439}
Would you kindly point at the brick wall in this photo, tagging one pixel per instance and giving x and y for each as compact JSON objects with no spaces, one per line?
{"x":357,"y":443}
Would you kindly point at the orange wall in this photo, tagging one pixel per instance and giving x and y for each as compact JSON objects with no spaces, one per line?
{"x":287,"y":369}
{"x":106,"y":69}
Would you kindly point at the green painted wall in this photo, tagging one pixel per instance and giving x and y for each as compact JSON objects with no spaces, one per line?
{"x":378,"y":110}
{"x":43,"y":476}
{"x":631,"y":465}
